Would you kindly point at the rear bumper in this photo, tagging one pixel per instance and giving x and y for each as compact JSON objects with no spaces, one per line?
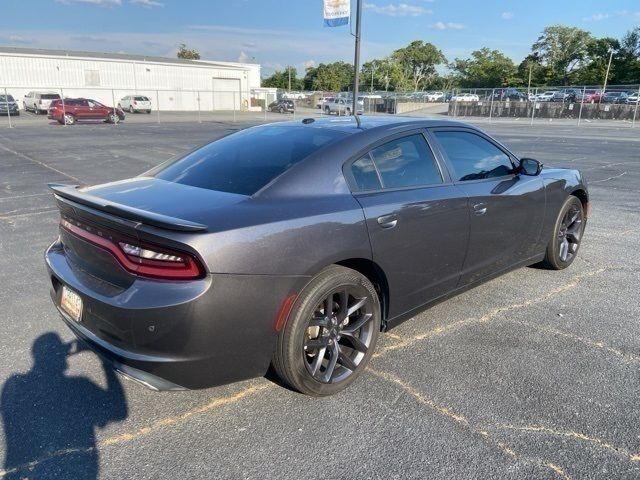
{"x":176,"y":335}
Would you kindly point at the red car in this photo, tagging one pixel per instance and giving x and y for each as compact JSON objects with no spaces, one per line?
{"x":72,"y":110}
{"x":590,"y":96}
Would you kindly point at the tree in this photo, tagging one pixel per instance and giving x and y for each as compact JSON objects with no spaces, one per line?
{"x":485,"y":68}
{"x":540,"y":74}
{"x":386,"y":74}
{"x":280,"y":79}
{"x":595,"y":66}
{"x":563,"y":49}
{"x":187,"y":53}
{"x":334,"y":77}
{"x":628,"y":59}
{"x":417,"y":62}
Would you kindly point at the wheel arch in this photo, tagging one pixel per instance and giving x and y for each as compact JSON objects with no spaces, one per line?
{"x":582,"y":195}
{"x":376,"y":276}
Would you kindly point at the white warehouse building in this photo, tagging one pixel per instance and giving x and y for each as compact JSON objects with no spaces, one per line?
{"x":170,"y":83}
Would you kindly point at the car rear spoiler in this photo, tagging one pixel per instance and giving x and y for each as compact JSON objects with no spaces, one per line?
{"x":71,"y":192}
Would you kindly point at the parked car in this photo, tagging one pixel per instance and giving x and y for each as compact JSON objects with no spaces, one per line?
{"x":71,"y":110}
{"x":39,"y":101}
{"x":343,"y":105}
{"x":8,"y":106}
{"x":465,"y":97}
{"x":294,"y":95}
{"x":589,"y":96}
{"x":135,"y":103}
{"x":546,"y":96}
{"x":633,"y":98}
{"x":435,"y":96}
{"x":300,"y":256}
{"x":503,"y":94}
{"x":448,"y":96}
{"x":614,"y":97}
{"x":565,"y":95}
{"x":282,"y":106}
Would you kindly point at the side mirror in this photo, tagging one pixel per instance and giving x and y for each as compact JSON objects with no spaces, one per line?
{"x":530,"y":166}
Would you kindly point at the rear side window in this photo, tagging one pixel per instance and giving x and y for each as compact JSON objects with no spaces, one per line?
{"x":406,"y":162}
{"x":473,"y":157}
{"x":141,"y":99}
{"x":246,"y":161}
{"x":49,"y":96}
{"x":365,"y":175}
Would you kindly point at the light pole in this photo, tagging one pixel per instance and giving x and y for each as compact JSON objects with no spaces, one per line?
{"x":356,"y":61}
{"x":606,"y":77}
{"x":289,"y":69}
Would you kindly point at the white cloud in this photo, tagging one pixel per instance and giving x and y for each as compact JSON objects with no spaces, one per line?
{"x":506,"y":15}
{"x":596,"y":17}
{"x":398,"y":10}
{"x":308,"y":64}
{"x":447,"y":26}
{"x":243,"y":57}
{"x":147,"y":3}
{"x":100,"y":3}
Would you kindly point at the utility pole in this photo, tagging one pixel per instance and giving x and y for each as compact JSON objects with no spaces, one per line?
{"x":356,"y":62}
{"x":529,"y":85}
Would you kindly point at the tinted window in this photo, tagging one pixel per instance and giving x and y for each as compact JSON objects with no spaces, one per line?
{"x":406,"y":162}
{"x":49,"y":96}
{"x":246,"y":161}
{"x":364,"y":174}
{"x":473,"y":157}
{"x":141,"y":99}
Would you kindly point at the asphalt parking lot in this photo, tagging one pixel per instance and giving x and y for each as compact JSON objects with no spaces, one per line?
{"x":532,"y":375}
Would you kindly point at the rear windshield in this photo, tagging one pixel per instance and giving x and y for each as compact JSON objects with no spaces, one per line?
{"x":246,"y":161}
{"x":141,"y":99}
{"x":49,"y":96}
{"x":8,"y":98}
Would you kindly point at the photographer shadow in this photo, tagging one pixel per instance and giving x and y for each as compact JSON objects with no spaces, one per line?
{"x":50,"y":418}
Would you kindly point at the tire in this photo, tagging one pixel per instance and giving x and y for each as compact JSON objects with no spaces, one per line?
{"x":148,"y":111}
{"x":563,"y":245}
{"x":68,"y":119}
{"x":113,"y":118}
{"x":327,"y":110}
{"x":130,"y":109}
{"x":341,"y":339}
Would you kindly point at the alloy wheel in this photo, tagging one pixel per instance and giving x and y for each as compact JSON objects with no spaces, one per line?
{"x":570,"y":233}
{"x":339,"y":334}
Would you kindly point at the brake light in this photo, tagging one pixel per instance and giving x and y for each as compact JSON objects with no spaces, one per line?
{"x":145,"y":260}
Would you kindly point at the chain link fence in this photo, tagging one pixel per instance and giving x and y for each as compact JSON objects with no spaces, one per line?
{"x":588,"y":104}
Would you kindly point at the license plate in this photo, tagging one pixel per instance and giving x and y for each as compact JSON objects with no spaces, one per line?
{"x":71,"y":303}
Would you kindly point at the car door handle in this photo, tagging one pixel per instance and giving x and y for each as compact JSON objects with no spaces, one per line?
{"x":388,"y":221}
{"x":480,"y":208}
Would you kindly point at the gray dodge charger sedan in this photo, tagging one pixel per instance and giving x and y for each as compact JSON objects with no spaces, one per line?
{"x":295,"y":244}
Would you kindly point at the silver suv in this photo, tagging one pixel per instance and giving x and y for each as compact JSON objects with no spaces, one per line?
{"x":342,"y":106}
{"x":39,"y":101}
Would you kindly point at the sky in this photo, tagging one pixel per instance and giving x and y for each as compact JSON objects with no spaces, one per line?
{"x":276,"y":33}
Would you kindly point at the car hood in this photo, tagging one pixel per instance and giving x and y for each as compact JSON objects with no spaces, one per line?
{"x":166,"y":198}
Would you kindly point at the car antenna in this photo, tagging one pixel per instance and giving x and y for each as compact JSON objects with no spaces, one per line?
{"x":355,"y":115}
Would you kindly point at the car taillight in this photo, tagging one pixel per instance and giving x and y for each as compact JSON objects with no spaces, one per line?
{"x":135,"y":103}
{"x":142,"y":259}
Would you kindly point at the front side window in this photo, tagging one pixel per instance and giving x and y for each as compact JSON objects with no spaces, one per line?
{"x":406,"y":162}
{"x":473,"y":157}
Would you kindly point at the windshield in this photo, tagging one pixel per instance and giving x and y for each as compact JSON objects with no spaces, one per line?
{"x":4,"y":98}
{"x":246,"y":161}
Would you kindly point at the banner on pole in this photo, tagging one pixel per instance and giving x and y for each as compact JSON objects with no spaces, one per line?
{"x":336,"y":12}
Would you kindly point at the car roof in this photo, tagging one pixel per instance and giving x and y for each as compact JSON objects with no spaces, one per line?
{"x":349,"y":124}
